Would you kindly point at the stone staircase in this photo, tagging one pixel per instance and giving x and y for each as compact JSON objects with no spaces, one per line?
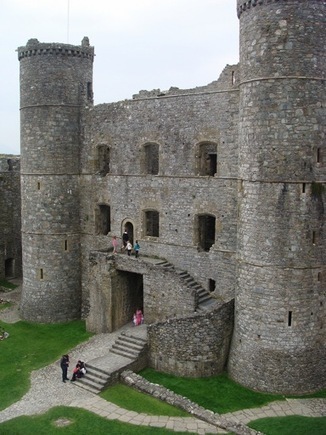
{"x":203,"y":298}
{"x":128,"y":346}
{"x":105,"y":371}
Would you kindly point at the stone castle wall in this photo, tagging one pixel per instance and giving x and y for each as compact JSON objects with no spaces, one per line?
{"x":179,"y":124}
{"x":196,"y":346}
{"x":280,"y":296}
{"x":55,"y":88}
{"x":265,"y":119}
{"x":10,"y":221}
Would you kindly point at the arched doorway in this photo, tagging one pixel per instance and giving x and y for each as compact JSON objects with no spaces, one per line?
{"x":130,"y":230}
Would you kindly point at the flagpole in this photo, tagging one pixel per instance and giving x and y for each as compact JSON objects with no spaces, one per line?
{"x":68,"y":10}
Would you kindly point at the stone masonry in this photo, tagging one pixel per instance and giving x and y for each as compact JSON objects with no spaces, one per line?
{"x":223,"y":183}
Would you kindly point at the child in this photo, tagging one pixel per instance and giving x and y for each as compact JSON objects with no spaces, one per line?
{"x":136,"y":248}
{"x":129,"y":248}
{"x":114,"y":244}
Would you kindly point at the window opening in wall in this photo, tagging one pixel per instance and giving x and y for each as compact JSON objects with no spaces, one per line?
{"x":207,"y":159}
{"x":206,"y":231}
{"x":212,"y":285}
{"x":66,"y":245}
{"x":319,"y":277}
{"x":10,"y":165}
{"x":233,"y":77}
{"x":290,"y":318}
{"x":151,"y":158}
{"x":103,"y":159}
{"x":89,"y":91}
{"x":318,"y":157}
{"x":103,"y":219}
{"x":38,"y":185}
{"x":152,"y":223}
{"x":41,"y":273}
{"x":314,"y":237}
{"x":303,"y":187}
{"x":9,"y":267}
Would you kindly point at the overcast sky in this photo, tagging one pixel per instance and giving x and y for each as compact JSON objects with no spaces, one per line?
{"x":139,"y":44}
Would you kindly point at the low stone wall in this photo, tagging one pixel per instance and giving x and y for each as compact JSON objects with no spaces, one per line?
{"x":196,"y":346}
{"x":139,"y":383}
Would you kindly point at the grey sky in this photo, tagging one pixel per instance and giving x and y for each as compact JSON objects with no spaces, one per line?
{"x":139,"y":44}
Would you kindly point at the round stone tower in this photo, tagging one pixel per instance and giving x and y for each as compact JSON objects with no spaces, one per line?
{"x":55,"y":90}
{"x":279,"y":337}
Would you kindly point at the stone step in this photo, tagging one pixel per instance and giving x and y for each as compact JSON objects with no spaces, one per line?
{"x":123,"y":350}
{"x":99,"y":372}
{"x":134,"y":339}
{"x":134,"y":347}
{"x":204,"y":298}
{"x":95,"y":379}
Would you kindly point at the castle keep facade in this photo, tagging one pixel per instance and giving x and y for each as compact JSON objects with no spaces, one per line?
{"x":223,"y":185}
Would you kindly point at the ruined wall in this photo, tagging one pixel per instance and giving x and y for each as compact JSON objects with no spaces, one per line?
{"x":10,"y":221}
{"x":196,"y":346}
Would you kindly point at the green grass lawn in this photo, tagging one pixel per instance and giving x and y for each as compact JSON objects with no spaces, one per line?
{"x":29,"y":347}
{"x":291,"y":425}
{"x":7,"y":284}
{"x":32,"y":346}
{"x":80,"y":422}
{"x":217,"y":393}
{"x":5,"y":305}
{"x":128,"y":398}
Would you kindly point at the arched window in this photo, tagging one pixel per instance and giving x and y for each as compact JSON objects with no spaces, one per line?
{"x":205,"y":231}
{"x":103,"y":159}
{"x":102,"y":219}
{"x":207,"y":158}
{"x":151,"y":158}
{"x":152,"y":223}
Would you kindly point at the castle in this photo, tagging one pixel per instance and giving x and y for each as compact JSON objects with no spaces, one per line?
{"x":223,"y":185}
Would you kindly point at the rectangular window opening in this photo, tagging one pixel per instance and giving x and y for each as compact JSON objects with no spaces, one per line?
{"x":303,"y":187}
{"x":38,"y":185}
{"x":314,"y":237}
{"x":41,"y":273}
{"x":290,"y":318}
{"x":318,"y":157}
{"x":66,"y":245}
{"x":212,"y":285}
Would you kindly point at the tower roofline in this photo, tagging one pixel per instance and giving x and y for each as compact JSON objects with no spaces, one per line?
{"x":244,"y":5}
{"x":34,"y":47}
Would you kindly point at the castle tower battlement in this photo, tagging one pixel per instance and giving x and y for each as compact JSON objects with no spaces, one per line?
{"x":281,"y":238}
{"x":55,"y":90}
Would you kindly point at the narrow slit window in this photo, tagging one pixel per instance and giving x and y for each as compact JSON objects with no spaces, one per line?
{"x":318,"y":157}
{"x":314,"y":237}
{"x":41,"y":273}
{"x":319,"y":277}
{"x":233,"y":77}
{"x":66,"y":245}
{"x":290,"y":318}
{"x":303,"y":187}
{"x":89,"y":91}
{"x":38,"y":185}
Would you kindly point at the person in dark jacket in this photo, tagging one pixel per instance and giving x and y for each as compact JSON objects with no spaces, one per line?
{"x":64,"y":364}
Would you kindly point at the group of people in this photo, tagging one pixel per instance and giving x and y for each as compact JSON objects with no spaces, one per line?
{"x":3,"y":334}
{"x":78,"y":372}
{"x":126,"y":244}
{"x":138,"y":318}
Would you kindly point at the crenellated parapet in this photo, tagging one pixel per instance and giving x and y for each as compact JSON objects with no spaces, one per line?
{"x":246,"y":5}
{"x":34,"y":48}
